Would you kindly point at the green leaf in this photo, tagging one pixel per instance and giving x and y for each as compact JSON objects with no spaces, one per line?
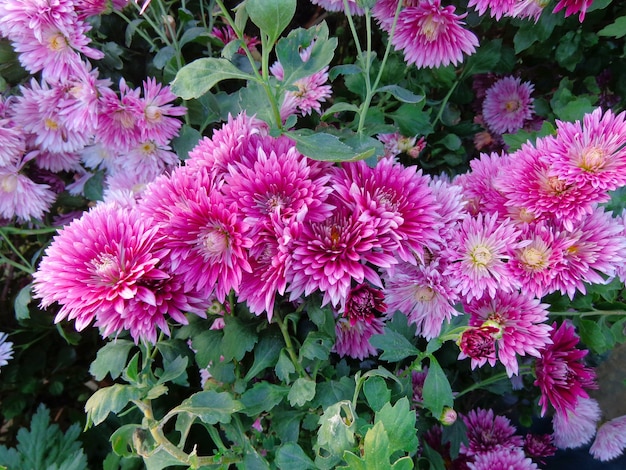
{"x":271,"y":16}
{"x":187,"y":139}
{"x":121,"y":440}
{"x":337,"y":427}
{"x":211,"y":407}
{"x":399,"y":421}
{"x":485,"y":59}
{"x":437,"y":392}
{"x":22,"y":299}
{"x":109,"y":400}
{"x":434,"y":458}
{"x":93,"y":186}
{"x":376,"y":452}
{"x":591,"y":334}
{"x":291,"y":455}
{"x":395,"y":347}
{"x":340,"y":108}
{"x":239,"y":338}
{"x":266,"y":354}
{"x":208,"y":347}
{"x":111,"y":359}
{"x":301,"y":392}
{"x":162,"y":57}
{"x":455,"y":434}
{"x":412,"y":120}
{"x":376,"y":392}
{"x":617,"y":29}
{"x":316,"y":346}
{"x":327,"y":147}
{"x":333,"y":391}
{"x":192,"y":34}
{"x":401,"y":94}
{"x":515,"y":141}
{"x":198,"y":77}
{"x":263,"y":396}
{"x":173,"y":370}
{"x":254,"y":100}
{"x":288,"y":52}
{"x":284,"y":367}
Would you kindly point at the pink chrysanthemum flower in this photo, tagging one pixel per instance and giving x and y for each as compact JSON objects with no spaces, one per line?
{"x":395,"y":144}
{"x":423,"y":294}
{"x":21,"y":197}
{"x":521,"y":320}
{"x":12,"y":145}
{"x":478,"y":184}
{"x":330,"y":254}
{"x":396,"y":201}
{"x":539,"y":446}
{"x":148,"y":159}
{"x":360,"y":321}
{"x":227,"y":34}
{"x":573,"y":6}
{"x":497,"y":8}
{"x":120,"y":117}
{"x":577,"y":427}
{"x":104,"y":266}
{"x":477,"y":257}
{"x":87,"y":8}
{"x":338,"y":5}
{"x":277,"y":183}
{"x":157,"y":123}
{"x":561,"y":373}
{"x":508,"y":105}
{"x":529,"y":184}
{"x":595,"y":251}
{"x":451,"y":207}
{"x":34,"y":16}
{"x":487,"y":432}
{"x":6,"y":350}
{"x":55,"y":161}
{"x":430,"y":35}
{"x":502,"y":458}
{"x":592,"y":152}
{"x":99,"y":156}
{"x":529,"y":9}
{"x":610,"y":441}
{"x":208,"y":243}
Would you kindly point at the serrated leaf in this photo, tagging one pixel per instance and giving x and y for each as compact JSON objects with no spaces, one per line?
{"x":211,"y":407}
{"x":284,"y":367}
{"x":198,"y":77}
{"x":239,"y":338}
{"x":271,"y":16}
{"x":333,"y":391}
{"x":395,"y":347}
{"x":401,"y":94}
{"x":263,"y":396}
{"x":302,"y":391}
{"x":22,"y":300}
{"x":327,"y":147}
{"x":399,"y":421}
{"x":291,"y":455}
{"x":208,"y":347}
{"x":316,"y":346}
{"x":437,"y":392}
{"x":173,"y":370}
{"x":109,"y":400}
{"x":93,"y":187}
{"x":337,"y":427}
{"x":591,"y":335}
{"x":376,"y":450}
{"x":617,"y":29}
{"x":455,"y":434}
{"x":111,"y":359}
{"x":266,"y":354}
{"x":187,"y":139}
{"x":376,"y":392}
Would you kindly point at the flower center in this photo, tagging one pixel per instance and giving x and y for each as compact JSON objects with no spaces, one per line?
{"x":533,"y":258}
{"x":148,"y":148}
{"x":153,"y":113}
{"x":124,"y":118}
{"x":481,"y":256}
{"x":512,"y":105}
{"x":592,"y":159}
{"x":57,"y":42}
{"x":8,"y":183}
{"x":526,"y":216}
{"x":215,"y":242}
{"x":424,"y":294}
{"x":558,"y":186}
{"x":431,"y":28}
{"x":51,"y":124}
{"x":106,"y":268}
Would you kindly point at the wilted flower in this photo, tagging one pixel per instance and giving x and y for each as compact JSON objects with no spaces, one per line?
{"x":574,"y":428}
{"x":610,"y":440}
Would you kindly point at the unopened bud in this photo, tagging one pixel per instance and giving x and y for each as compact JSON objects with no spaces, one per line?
{"x":448,"y":416}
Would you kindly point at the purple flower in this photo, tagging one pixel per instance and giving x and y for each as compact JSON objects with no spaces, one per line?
{"x":502,"y":458}
{"x":508,"y":105}
{"x":487,"y":432}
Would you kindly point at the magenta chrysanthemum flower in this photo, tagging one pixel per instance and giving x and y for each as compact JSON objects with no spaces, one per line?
{"x":487,"y":432}
{"x":6,"y":350}
{"x":477,"y":257}
{"x":396,"y":201}
{"x":561,"y":373}
{"x":120,"y":117}
{"x":330,"y":254}
{"x":208,"y":242}
{"x":430,"y":35}
{"x":521,"y":322}
{"x":395,"y":144}
{"x":576,"y":427}
{"x":104,"y":266}
{"x":497,"y":8}
{"x":423,"y":294}
{"x":539,"y":446}
{"x":353,"y":339}
{"x":227,"y":34}
{"x":21,"y":197}
{"x":338,"y":5}
{"x":158,"y":123}
{"x":479,"y":343}
{"x":610,"y":441}
{"x":573,"y":6}
{"x":502,"y":458}
{"x":508,"y":105}
{"x":592,"y":152}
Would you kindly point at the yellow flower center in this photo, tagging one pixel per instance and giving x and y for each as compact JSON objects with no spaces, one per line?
{"x":481,"y":256}
{"x":512,"y":105}
{"x":557,"y":185}
{"x":424,"y":294}
{"x":592,"y":159}
{"x":51,"y":124}
{"x":533,"y":258}
{"x":8,"y":183}
{"x":57,"y":42}
{"x":431,"y":28}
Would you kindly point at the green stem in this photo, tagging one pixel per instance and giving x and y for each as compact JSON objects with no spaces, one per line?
{"x":491,"y":380}
{"x":25,"y":231}
{"x":284,"y":329}
{"x":17,"y":265}
{"x":30,"y":269}
{"x":590,"y":313}
{"x":145,"y":36}
{"x":444,"y":102}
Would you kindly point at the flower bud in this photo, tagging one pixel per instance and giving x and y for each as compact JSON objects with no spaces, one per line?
{"x":448,"y":416}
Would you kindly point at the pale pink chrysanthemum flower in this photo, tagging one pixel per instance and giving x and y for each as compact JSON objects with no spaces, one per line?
{"x":21,"y":197}
{"x":477,"y":257}
{"x":58,"y":52}
{"x":521,"y":320}
{"x":338,"y":5}
{"x":28,"y":17}
{"x":353,"y":340}
{"x":277,"y":183}
{"x":508,"y":105}
{"x":12,"y":145}
{"x":478,"y":184}
{"x":430,"y":35}
{"x":126,"y":187}
{"x":573,"y":6}
{"x":577,"y":427}
{"x":423,"y":294}
{"x":6,"y":350}
{"x":104,"y":266}
{"x":87,"y":8}
{"x":502,"y":458}
{"x":99,"y":156}
{"x":529,"y":184}
{"x":592,"y":152}
{"x":228,"y":144}
{"x":488,"y":432}
{"x":610,"y":441}
{"x":120,"y":117}
{"x":330,"y":254}
{"x":37,"y":112}
{"x":158,"y":122}
{"x":395,"y":143}
{"x":497,"y":8}
{"x":562,"y":375}
{"x":55,"y":161}
{"x":595,"y":251}
{"x":529,"y":9}
{"x":452,"y":207}
{"x":149,"y":159}
{"x":536,"y":262}
{"x":208,"y":242}
{"x":396,"y":201}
